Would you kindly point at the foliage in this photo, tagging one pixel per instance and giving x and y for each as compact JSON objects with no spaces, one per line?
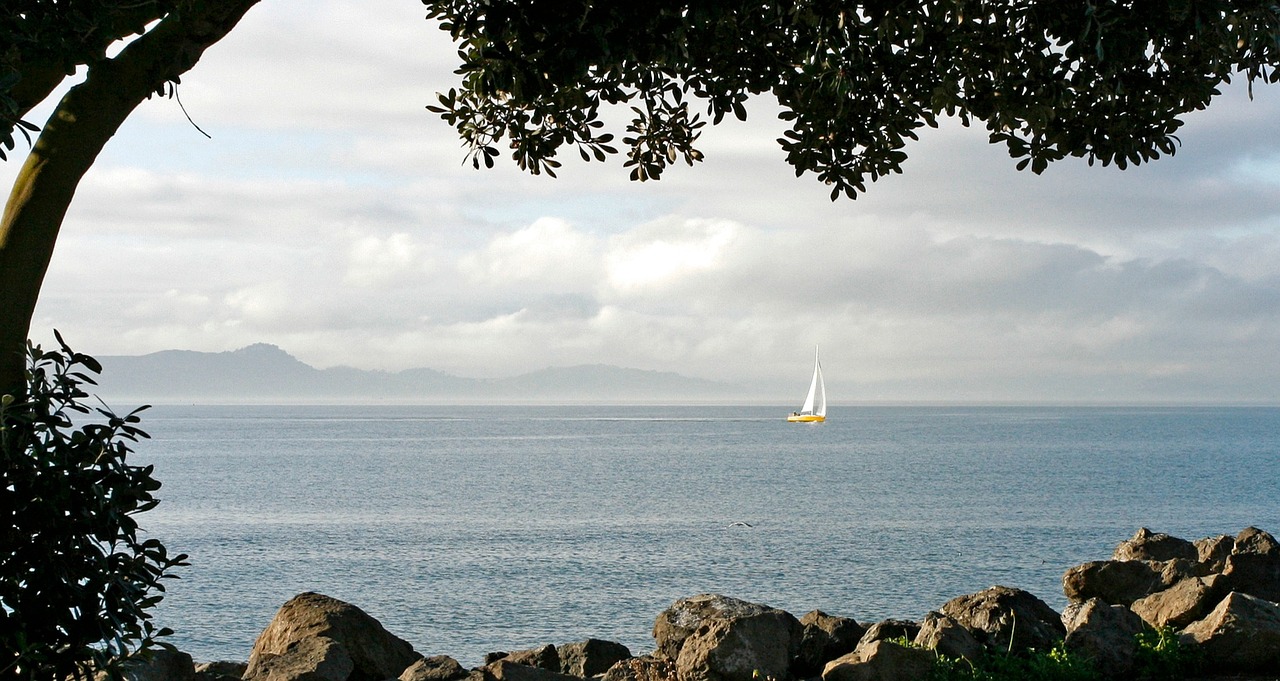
{"x":1056,"y":664}
{"x":76,"y":578}
{"x":1103,"y":79}
{"x":1162,"y":657}
{"x":55,"y":37}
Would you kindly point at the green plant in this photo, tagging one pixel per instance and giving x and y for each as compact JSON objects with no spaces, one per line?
{"x":1055,"y":664}
{"x":1162,"y":657}
{"x":76,"y":578}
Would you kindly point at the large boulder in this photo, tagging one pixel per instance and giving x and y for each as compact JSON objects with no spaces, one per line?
{"x":506,"y":670}
{"x":824,"y":638}
{"x":947,"y":638}
{"x":889,"y":629}
{"x":741,"y":648}
{"x":313,"y":658}
{"x":1241,"y":635}
{"x":1104,"y":634}
{"x":881,"y":660}
{"x":158,"y":664}
{"x":546,"y":657}
{"x":686,"y":615}
{"x":1213,"y":552}
{"x":1180,"y":604}
{"x":1004,"y":618}
{"x":1254,"y":565}
{"x":643,"y":668}
{"x":220,"y":670}
{"x":1155,"y":546}
{"x":374,"y":653}
{"x":435,"y":668}
{"x":591,"y":657}
{"x":1118,"y":582}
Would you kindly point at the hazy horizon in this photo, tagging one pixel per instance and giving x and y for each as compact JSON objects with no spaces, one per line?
{"x":333,"y":216}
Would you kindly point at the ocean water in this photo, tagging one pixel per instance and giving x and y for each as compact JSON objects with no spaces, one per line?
{"x":466,"y":530}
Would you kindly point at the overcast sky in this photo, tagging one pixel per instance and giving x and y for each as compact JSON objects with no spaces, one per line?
{"x":332,"y":215}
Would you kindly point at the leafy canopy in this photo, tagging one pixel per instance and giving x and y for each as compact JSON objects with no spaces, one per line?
{"x":1101,"y":79}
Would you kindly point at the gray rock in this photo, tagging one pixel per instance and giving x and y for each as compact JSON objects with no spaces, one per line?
{"x":881,"y":661}
{"x":643,"y":668}
{"x":1146,"y":545}
{"x":312,"y":658}
{"x":591,"y":657}
{"x":157,"y":664}
{"x":1213,"y":552}
{"x":889,"y":629}
{"x":824,"y":638}
{"x":1257,"y":574}
{"x":1118,"y":582}
{"x":546,"y":657}
{"x":1256,"y":541}
{"x":1241,"y":635}
{"x":435,"y":668}
{"x":740,"y":648}
{"x":375,"y":653}
{"x":686,"y":615}
{"x":1004,"y":618}
{"x":1180,"y":604}
{"x":944,"y":636}
{"x":214,"y":671}
{"x":1106,"y":635}
{"x":506,"y":670}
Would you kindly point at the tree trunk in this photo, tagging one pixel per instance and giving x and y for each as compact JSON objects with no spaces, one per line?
{"x":79,"y":128}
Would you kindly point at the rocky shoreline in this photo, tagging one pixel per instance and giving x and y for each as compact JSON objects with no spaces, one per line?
{"x":1219,"y":595}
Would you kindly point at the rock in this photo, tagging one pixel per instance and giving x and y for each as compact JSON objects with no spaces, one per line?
{"x":1003,"y":618}
{"x":1146,"y":545}
{"x":313,"y":658}
{"x":1213,"y":552}
{"x":1254,"y":573}
{"x":506,"y":670}
{"x":591,"y":657}
{"x":375,"y":654}
{"x":739,"y":648}
{"x":1106,"y":635}
{"x":1255,"y":541}
{"x":1179,"y":605}
{"x":215,"y":671}
{"x":644,"y":668}
{"x":435,"y":668}
{"x":881,"y":660}
{"x":157,"y":664}
{"x":824,"y":638}
{"x":546,"y":657}
{"x":686,"y":615}
{"x":944,"y":636}
{"x":1118,"y":582}
{"x":889,"y":629}
{"x":1241,"y":635}
{"x":1176,"y":570}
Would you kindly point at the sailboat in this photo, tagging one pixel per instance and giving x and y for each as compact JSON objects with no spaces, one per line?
{"x":815,"y":403}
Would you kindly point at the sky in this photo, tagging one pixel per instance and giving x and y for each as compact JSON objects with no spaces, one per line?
{"x":332,"y":215}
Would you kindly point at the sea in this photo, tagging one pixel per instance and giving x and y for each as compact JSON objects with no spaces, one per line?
{"x":472,"y":529}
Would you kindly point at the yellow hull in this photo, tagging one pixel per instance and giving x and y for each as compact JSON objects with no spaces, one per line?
{"x":806,"y":418}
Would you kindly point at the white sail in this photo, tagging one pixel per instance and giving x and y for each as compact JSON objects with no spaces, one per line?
{"x":817,"y":391}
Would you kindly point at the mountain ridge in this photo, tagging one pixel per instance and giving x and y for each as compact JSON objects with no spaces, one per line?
{"x":263,"y":373}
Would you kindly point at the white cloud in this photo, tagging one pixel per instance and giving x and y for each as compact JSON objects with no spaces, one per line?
{"x":332,"y":215}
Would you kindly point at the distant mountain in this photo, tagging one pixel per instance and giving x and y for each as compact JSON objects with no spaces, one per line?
{"x":263,"y":373}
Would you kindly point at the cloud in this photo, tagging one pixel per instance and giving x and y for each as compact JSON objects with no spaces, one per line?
{"x":332,"y":215}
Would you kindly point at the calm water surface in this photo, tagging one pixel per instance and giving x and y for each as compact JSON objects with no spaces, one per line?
{"x":471,"y":529}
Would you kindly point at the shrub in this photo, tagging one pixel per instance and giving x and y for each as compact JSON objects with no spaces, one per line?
{"x":1162,"y":657}
{"x":76,"y":579}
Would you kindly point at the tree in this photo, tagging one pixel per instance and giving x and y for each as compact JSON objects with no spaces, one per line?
{"x":76,"y":579}
{"x":43,"y":41}
{"x":1100,"y":79}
